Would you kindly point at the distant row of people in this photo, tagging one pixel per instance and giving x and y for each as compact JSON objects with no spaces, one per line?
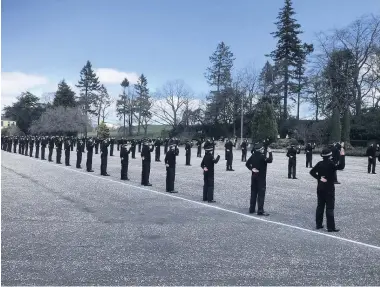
{"x":324,"y":171}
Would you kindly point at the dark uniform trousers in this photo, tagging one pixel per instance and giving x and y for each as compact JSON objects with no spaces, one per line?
{"x":292,"y":163}
{"x":170,"y":177}
{"x":37,"y":152}
{"x":96,"y":148}
{"x":50,"y":154}
{"x":111,"y":149}
{"x":67,"y":156}
{"x":14,"y":148}
{"x":26,"y":149}
{"x":326,"y":198}
{"x":188,"y":157}
{"x":89,"y":161}
{"x":145,"y":172}
{"x":309,"y":159}
{"x":244,"y":155}
{"x":59,"y":155}
{"x":229,"y":157}
{"x":72,"y":146}
{"x":258,"y":188}
{"x":133,"y":152}
{"x":79,"y":158}
{"x":22,"y":149}
{"x":208,"y":186}
{"x":30,"y":151}
{"x":103,"y":165}
{"x":371,"y":164}
{"x":158,"y":153}
{"x":43,"y":152}
{"x":199,"y":151}
{"x":124,"y":169}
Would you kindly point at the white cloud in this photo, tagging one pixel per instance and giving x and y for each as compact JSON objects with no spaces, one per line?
{"x":14,"y":83}
{"x":111,"y":76}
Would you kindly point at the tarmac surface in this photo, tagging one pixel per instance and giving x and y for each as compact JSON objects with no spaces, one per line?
{"x":63,"y":226}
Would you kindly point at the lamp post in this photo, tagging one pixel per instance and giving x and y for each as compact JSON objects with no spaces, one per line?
{"x":241,"y":119}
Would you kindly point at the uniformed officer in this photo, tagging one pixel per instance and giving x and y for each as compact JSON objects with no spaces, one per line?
{"x":188,"y":146}
{"x":292,"y":163}
{"x":371,"y":154}
{"x":80,"y":145}
{"x":324,"y":172}
{"x":170,"y":163}
{"x":124,"y":156}
{"x":139,"y":144}
{"x":66,"y":146}
{"x":157,"y":145}
{"x":199,"y":147}
{"x":38,"y":143}
{"x":44,"y":142}
{"x":72,"y":141}
{"x":133,"y":148}
{"x":15,"y":143}
{"x":229,"y":154}
{"x":26,"y":146}
{"x":207,"y":165}
{"x":21,"y":145}
{"x":244,"y":148}
{"x":104,"y":157}
{"x":90,"y":150}
{"x":309,"y":154}
{"x":335,"y":149}
{"x":51,"y":147}
{"x":112,"y":143}
{"x":166,"y":145}
{"x":146,"y":160}
{"x":31,"y":146}
{"x":97,"y":142}
{"x":58,"y":147}
{"x":257,"y":164}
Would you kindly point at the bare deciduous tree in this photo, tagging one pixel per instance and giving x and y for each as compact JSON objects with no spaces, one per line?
{"x":171,"y":102}
{"x":361,"y":38}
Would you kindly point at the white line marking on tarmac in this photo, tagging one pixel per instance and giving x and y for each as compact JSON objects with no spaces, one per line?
{"x":213,"y":206}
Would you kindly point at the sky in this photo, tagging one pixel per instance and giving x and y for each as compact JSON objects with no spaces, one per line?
{"x":44,"y":41}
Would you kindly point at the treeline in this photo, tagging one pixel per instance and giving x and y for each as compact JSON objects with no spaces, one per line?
{"x":337,"y":78}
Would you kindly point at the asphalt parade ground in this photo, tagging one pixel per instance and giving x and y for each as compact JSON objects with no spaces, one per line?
{"x":64,"y":226}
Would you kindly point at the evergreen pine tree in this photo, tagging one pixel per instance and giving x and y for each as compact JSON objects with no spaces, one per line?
{"x":122,"y":107}
{"x":264,"y":123}
{"x":103,"y":131}
{"x":287,"y":49}
{"x":142,"y":92}
{"x":267,"y":79}
{"x":89,"y":86}
{"x":219,"y":77}
{"x":64,"y":96}
{"x":299,"y":72}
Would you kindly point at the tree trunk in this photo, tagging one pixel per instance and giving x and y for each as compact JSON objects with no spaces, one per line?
{"x":124,"y":125}
{"x":346,"y":126}
{"x":286,"y":86}
{"x":316,"y":106}
{"x":298,"y":99}
{"x":130,"y":124}
{"x":139,"y":121}
{"x":86,"y":111}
